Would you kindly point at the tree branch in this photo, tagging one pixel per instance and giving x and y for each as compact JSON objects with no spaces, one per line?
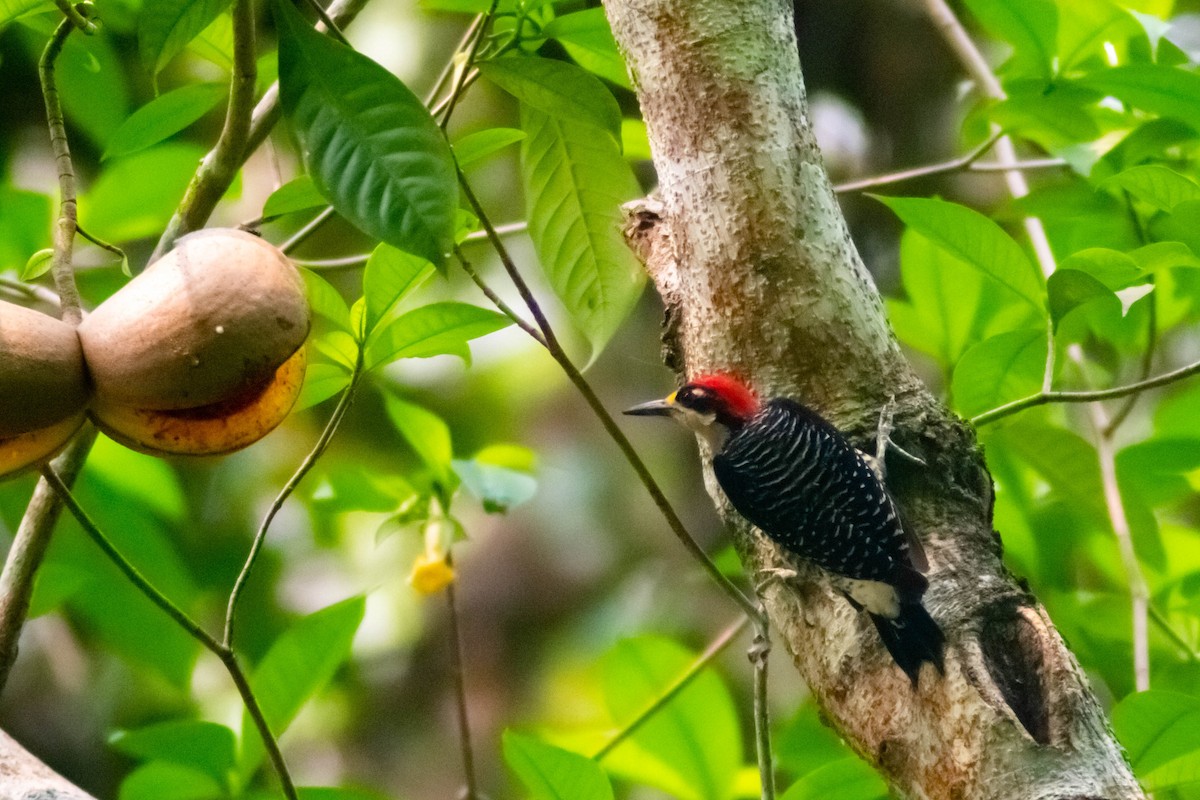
{"x":221,"y":165}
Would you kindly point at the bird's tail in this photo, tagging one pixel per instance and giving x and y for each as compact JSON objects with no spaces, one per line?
{"x":912,"y":638}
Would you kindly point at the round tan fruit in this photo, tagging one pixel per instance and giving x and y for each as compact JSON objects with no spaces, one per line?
{"x":213,"y":319}
{"x":38,"y":446}
{"x":212,"y":429}
{"x":42,"y":377}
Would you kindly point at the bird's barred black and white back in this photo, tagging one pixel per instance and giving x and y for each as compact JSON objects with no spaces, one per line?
{"x":803,"y":484}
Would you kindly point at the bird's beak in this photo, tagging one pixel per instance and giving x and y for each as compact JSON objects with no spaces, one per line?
{"x":655,"y":408}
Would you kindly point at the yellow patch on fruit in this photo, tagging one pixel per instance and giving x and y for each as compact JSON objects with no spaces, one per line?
{"x":36,"y":447}
{"x":430,"y":574}
{"x":206,"y":430}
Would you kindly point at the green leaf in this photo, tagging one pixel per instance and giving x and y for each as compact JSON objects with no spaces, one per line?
{"x":1092,"y":29}
{"x":297,"y":194}
{"x":551,"y":773}
{"x":163,"y":117}
{"x":1166,"y":91}
{"x":587,"y":38}
{"x":369,"y":143}
{"x":91,"y":83}
{"x":1070,"y":288}
{"x":337,"y":793}
{"x":10,"y":10}
{"x":481,"y":144}
{"x":1158,"y":730}
{"x":425,"y":432}
{"x":204,"y":746}
{"x":695,"y":738}
{"x":498,"y":488}
{"x":998,"y":370}
{"x":167,"y":26}
{"x":1160,"y":186}
{"x":301,"y":661}
{"x":1030,"y":26}
{"x":391,"y":275}
{"x":432,"y":330}
{"x":25,"y":225}
{"x":215,"y":43}
{"x":135,"y":196}
{"x":1114,"y":269}
{"x":325,"y":302}
{"x":556,"y":89}
{"x":575,"y":181}
{"x":38,"y":264}
{"x":163,"y":780}
{"x":972,"y":237}
{"x":847,"y":779}
{"x":321,"y":382}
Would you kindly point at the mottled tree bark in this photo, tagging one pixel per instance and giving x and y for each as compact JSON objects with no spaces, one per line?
{"x":23,"y":777}
{"x":752,"y":257}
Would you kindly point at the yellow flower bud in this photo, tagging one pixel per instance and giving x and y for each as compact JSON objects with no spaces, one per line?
{"x":430,"y":574}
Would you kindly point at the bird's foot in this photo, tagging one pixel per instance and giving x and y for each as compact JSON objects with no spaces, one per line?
{"x":769,"y":576}
{"x":883,"y":439}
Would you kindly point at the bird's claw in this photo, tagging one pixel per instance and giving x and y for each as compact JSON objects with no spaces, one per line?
{"x":769,"y":576}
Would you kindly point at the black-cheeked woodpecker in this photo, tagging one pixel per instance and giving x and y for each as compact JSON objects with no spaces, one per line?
{"x":798,"y":480}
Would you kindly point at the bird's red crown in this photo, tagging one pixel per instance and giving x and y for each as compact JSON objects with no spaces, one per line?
{"x":739,"y":400}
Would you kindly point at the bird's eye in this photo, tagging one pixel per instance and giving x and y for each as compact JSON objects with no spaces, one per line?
{"x":695,"y":398}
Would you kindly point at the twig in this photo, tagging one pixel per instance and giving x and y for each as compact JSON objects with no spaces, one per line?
{"x":181,"y":618}
{"x":690,"y":674}
{"x":297,"y":238}
{"x":759,"y":653}
{"x":250,"y":701}
{"x":309,"y":462}
{"x":1042,"y":398}
{"x":330,"y":26}
{"x":29,"y":547}
{"x":31,"y":290}
{"x":977,"y":67}
{"x":460,"y":696}
{"x":457,"y":90}
{"x":221,"y":165}
{"x":953,"y":165}
{"x":75,"y":15}
{"x":1138,"y":590}
{"x":64,"y":230}
{"x":499,"y":303}
{"x":132,"y":573}
{"x":103,"y":245}
{"x":573,"y":374}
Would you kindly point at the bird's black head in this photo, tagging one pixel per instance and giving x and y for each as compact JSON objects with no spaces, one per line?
{"x":705,"y":401}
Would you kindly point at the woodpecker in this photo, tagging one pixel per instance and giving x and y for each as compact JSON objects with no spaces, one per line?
{"x":797,"y":479}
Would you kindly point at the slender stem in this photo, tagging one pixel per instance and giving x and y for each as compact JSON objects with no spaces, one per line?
{"x":221,"y":165}
{"x":330,"y":26}
{"x":309,"y":462}
{"x":1138,"y":590}
{"x":130,"y":571}
{"x":346,"y":262}
{"x":504,"y":307}
{"x":103,"y":245}
{"x":31,"y":290}
{"x":250,"y":701}
{"x":573,"y":374}
{"x":690,"y":674}
{"x":460,"y":696}
{"x":181,"y":618}
{"x":64,"y":230}
{"x":1042,"y":398}
{"x":456,"y":92}
{"x":976,"y":66}
{"x":759,"y":657}
{"x":1165,"y":626}
{"x":75,"y":16}
{"x":953,"y":165}
{"x":309,"y":229}
{"x":29,"y":547}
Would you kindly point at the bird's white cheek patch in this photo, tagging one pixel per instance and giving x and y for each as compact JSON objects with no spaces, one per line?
{"x":876,"y":597}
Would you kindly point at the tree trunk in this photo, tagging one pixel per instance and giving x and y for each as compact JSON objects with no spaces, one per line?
{"x":752,"y":257}
{"x":23,"y":777}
